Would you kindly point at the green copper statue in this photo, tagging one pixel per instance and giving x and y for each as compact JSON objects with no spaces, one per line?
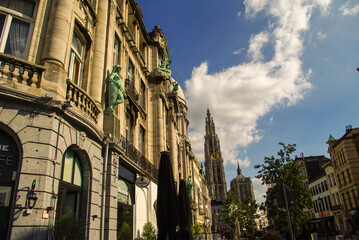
{"x":116,"y":93}
{"x":190,"y":186}
{"x":175,"y":87}
{"x":165,"y":63}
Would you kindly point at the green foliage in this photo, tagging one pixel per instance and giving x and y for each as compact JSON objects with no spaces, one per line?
{"x":196,"y":230}
{"x":69,"y":227}
{"x":285,"y":170}
{"x":245,"y":212}
{"x":149,"y":232}
{"x":124,"y":232}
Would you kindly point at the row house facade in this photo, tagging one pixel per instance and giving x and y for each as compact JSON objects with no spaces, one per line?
{"x":345,"y":175}
{"x":61,"y":156}
{"x":201,"y":202}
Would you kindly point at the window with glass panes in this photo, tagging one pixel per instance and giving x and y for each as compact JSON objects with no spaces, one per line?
{"x":70,"y":186}
{"x":16,"y":19}
{"x":142,"y":140}
{"x":143,"y":95}
{"x":77,"y":56}
{"x":116,"y":51}
{"x":131,"y":71}
{"x":129,"y":126}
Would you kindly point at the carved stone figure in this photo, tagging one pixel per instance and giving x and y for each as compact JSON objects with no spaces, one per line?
{"x":116,"y":93}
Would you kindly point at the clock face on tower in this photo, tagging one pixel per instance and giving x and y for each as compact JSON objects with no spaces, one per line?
{"x":214,"y":156}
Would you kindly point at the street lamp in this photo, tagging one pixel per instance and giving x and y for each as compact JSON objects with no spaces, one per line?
{"x":32,"y":197}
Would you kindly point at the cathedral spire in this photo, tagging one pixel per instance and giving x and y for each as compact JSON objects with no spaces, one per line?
{"x":239,"y":171}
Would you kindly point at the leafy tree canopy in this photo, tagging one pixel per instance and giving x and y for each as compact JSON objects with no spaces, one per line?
{"x":285,"y":171}
{"x":245,"y":212}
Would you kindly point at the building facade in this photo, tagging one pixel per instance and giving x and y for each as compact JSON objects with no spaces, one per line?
{"x":64,"y":151}
{"x":215,"y":175}
{"x":345,"y":160}
{"x":242,"y":187}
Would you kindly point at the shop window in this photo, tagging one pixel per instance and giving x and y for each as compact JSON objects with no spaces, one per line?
{"x":126,"y":193}
{"x":9,"y":161}
{"x":16,"y":20}
{"x":77,"y":58}
{"x":116,"y":51}
{"x":70,"y":187}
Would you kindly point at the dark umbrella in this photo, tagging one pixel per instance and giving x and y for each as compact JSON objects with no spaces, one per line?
{"x":185,"y":216}
{"x":167,"y":203}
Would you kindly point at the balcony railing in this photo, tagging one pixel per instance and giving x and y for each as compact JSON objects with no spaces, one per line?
{"x":82,"y":100}
{"x":141,"y":161}
{"x":16,"y":70}
{"x":131,"y":90}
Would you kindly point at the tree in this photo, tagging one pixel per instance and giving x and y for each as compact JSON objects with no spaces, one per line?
{"x":285,"y":171}
{"x":245,"y":212}
{"x":149,"y":232}
{"x":196,"y":230}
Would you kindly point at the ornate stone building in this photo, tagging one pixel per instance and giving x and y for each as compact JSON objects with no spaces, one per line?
{"x":215,"y":175}
{"x":60,"y":155}
{"x":345,"y":159}
{"x":242,"y":186}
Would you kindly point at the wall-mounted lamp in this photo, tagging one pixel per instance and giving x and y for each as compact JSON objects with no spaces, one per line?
{"x":31,"y":196}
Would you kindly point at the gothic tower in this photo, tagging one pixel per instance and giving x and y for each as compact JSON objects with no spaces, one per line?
{"x":215,"y":175}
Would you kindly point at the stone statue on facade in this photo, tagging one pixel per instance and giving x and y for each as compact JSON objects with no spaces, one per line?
{"x":116,"y":92}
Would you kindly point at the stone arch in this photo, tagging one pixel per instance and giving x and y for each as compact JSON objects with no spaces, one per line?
{"x":11,"y":155}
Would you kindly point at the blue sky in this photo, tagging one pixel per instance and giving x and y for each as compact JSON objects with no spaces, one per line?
{"x":269,"y":70}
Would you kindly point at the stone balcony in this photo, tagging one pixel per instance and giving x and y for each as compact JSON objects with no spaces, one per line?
{"x":18,"y":73}
{"x":82,"y":100}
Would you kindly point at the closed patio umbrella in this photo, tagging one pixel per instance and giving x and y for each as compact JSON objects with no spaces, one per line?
{"x":185,"y":216}
{"x":167,"y":202}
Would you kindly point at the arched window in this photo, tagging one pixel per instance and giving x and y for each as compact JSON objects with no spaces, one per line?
{"x":70,"y":186}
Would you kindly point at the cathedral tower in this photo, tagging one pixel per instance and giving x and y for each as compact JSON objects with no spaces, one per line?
{"x":215,"y":175}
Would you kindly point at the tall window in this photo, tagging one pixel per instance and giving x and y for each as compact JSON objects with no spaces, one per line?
{"x":142,"y":140}
{"x":143,"y":95}
{"x":70,"y":186}
{"x":129,"y":126}
{"x":116,"y":51}
{"x":131,"y":71}
{"x":77,"y":58}
{"x":16,"y":18}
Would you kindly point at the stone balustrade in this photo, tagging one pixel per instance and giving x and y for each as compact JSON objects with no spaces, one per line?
{"x":82,"y":100}
{"x":14,"y":70}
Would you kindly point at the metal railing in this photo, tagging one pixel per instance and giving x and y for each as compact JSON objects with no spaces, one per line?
{"x":131,"y":90}
{"x":137,"y":157}
{"x":82,"y":100}
{"x":17,"y":70}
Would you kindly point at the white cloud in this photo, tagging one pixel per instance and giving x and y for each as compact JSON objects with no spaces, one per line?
{"x":350,"y":8}
{"x":321,"y":35}
{"x":259,"y":190}
{"x":239,"y":14}
{"x":239,"y":51}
